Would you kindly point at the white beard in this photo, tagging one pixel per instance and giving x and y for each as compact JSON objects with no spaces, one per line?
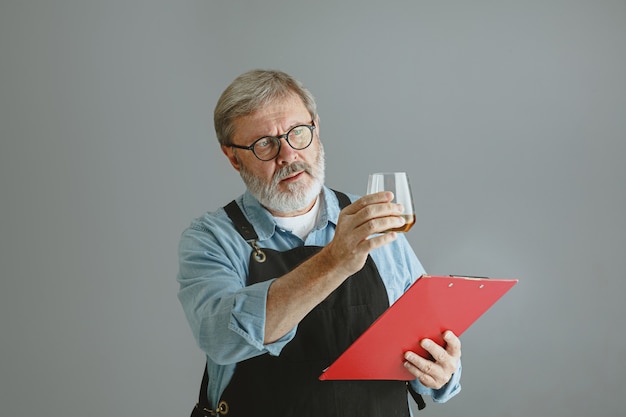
{"x":298,"y":196}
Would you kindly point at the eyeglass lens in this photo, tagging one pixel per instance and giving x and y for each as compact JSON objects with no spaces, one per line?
{"x":298,"y":138}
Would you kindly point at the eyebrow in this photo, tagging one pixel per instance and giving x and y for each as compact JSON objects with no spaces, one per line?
{"x":291,"y":127}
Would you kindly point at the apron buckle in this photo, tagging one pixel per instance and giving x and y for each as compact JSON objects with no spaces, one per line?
{"x":259,"y":255}
{"x":222,"y":409}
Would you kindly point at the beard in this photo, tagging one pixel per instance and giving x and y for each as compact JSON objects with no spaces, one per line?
{"x":298,"y":195}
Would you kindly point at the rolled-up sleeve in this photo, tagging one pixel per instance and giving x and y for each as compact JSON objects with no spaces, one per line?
{"x":226,"y":317}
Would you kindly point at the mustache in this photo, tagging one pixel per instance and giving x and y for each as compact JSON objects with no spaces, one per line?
{"x":292,"y":168}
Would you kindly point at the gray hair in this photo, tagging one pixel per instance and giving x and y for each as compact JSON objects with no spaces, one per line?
{"x":252,"y":91}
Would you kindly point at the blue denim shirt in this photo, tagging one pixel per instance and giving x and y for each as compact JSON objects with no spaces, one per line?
{"x":227,"y":317}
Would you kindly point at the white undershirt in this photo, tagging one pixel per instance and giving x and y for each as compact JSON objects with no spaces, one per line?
{"x":300,"y":225}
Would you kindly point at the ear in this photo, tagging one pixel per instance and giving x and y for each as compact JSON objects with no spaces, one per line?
{"x":230,"y":154}
{"x":317,"y":124}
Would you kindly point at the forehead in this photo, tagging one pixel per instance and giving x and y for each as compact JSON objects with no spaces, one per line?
{"x":274,"y":118}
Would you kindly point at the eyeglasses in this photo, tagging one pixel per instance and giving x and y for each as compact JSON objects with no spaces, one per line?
{"x":268,"y":147}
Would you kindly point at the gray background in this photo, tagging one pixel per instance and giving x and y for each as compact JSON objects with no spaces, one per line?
{"x":509,"y":117}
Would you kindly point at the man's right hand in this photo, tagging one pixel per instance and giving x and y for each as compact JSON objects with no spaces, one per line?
{"x":360,"y":230}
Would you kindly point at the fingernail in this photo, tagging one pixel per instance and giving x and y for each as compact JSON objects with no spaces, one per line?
{"x":408,"y":356}
{"x":426,"y":344}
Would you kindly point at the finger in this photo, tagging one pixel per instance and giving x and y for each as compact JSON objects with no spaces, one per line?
{"x":382,"y":224}
{"x":376,"y":241}
{"x":377,"y":210}
{"x":425,"y":379}
{"x":424,"y":366}
{"x":444,"y":360}
{"x":428,"y":373}
{"x":380,"y":197}
{"x":453,"y":344}
{"x":438,"y":353}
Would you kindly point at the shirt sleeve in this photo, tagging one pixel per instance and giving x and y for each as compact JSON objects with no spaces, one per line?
{"x":226,"y":317}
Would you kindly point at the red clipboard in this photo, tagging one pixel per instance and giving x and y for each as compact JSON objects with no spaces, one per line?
{"x":432,"y":305}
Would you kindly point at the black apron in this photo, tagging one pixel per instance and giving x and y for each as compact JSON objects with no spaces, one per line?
{"x":288,"y":385}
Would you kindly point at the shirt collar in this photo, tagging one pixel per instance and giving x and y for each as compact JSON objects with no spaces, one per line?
{"x":329,"y":211}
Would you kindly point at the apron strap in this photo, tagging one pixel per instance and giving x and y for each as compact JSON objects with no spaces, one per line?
{"x":343,"y":199}
{"x":243,"y":226}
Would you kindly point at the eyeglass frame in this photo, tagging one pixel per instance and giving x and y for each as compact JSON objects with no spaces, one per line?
{"x":278,"y":138}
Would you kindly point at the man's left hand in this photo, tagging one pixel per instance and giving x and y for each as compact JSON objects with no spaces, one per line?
{"x":437,"y":372}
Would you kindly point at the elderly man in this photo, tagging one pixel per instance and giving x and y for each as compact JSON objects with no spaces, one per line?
{"x":282,"y":280}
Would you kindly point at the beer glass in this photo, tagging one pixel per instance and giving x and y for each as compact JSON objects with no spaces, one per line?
{"x":398,"y":184}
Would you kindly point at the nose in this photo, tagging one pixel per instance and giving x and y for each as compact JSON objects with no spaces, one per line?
{"x":286,"y":154}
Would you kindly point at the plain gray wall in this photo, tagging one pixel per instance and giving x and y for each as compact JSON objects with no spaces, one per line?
{"x":509,"y":116}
